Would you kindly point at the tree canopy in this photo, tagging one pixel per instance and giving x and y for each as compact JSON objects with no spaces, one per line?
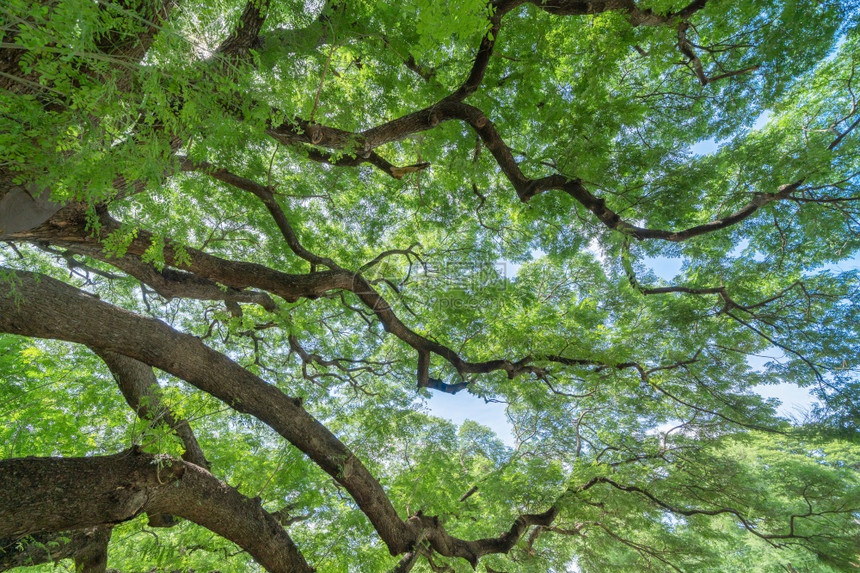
{"x":244,"y":243}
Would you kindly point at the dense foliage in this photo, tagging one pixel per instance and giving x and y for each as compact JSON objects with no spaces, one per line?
{"x":248,"y":242}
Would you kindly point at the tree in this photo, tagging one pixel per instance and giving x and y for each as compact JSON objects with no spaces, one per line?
{"x":243,"y":244}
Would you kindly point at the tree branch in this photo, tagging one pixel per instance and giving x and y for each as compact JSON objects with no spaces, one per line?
{"x":525,"y":187}
{"x":139,"y":387}
{"x":268,"y":198}
{"x":56,"y":494}
{"x":171,"y":283}
{"x":246,"y":33}
{"x":32,"y":305}
{"x":38,"y":306}
{"x":686,"y":47}
{"x":636,"y":16}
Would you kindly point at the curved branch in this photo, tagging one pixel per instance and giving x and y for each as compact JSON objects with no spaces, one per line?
{"x":38,"y":306}
{"x":268,"y":198}
{"x":485,"y":52}
{"x":293,"y":287}
{"x":31,"y":304}
{"x":526,"y":188}
{"x":139,"y":387}
{"x":471,"y":551}
{"x":747,"y":524}
{"x":56,"y":494}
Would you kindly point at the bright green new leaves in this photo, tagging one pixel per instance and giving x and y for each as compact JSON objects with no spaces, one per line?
{"x":634,"y":411}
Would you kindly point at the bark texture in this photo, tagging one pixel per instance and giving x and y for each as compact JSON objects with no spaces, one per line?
{"x":58,"y":494}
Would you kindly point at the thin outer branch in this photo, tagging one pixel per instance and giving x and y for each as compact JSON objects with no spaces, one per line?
{"x":373,"y":158}
{"x":268,"y":198}
{"x":688,"y":512}
{"x":842,"y":135}
{"x":687,"y":48}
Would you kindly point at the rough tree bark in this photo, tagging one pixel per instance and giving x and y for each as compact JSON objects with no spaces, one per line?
{"x":58,"y":494}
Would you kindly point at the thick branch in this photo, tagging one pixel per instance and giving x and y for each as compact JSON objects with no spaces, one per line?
{"x":139,"y":387}
{"x":68,"y":229}
{"x":172,"y":283}
{"x":441,"y":542}
{"x":246,"y":33}
{"x":56,"y":494}
{"x":356,"y":283}
{"x":292,"y":287}
{"x":38,"y":306}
